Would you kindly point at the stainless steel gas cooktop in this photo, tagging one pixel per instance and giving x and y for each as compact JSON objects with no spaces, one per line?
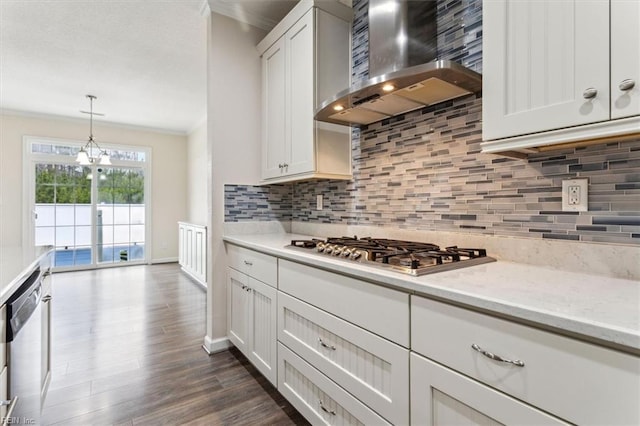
{"x":409,"y":257}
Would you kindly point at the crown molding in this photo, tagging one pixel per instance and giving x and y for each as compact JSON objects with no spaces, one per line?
{"x":45,"y":116}
{"x":235,"y":11}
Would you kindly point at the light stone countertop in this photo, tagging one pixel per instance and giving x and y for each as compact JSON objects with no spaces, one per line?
{"x":591,"y":307}
{"x":15,"y":267}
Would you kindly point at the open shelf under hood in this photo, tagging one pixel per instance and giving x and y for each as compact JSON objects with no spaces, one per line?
{"x":413,"y":88}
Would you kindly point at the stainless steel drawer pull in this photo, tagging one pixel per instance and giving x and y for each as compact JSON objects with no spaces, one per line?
{"x":9,"y":415}
{"x":590,"y":93}
{"x":495,"y":357}
{"x":332,"y":412}
{"x":46,"y":298}
{"x":627,"y":84}
{"x":324,"y":345}
{"x":246,"y":262}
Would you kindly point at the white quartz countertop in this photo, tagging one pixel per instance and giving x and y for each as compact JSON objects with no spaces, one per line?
{"x":592,"y":307}
{"x":15,"y":266}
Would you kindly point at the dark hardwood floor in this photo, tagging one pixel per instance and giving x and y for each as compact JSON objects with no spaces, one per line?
{"x":127,"y":350}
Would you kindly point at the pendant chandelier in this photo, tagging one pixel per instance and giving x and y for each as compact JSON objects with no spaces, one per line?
{"x":91,"y":152}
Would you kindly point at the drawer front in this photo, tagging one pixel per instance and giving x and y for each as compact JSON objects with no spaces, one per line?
{"x":381,"y":310}
{"x":577,"y":381}
{"x":440,"y":396}
{"x":371,"y":368}
{"x":308,"y":391}
{"x":257,"y":265}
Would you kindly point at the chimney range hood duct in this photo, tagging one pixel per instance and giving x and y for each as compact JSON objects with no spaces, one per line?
{"x":402,"y":59}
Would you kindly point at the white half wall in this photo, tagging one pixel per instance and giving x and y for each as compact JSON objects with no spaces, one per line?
{"x":234,"y":121}
{"x":168,"y":185}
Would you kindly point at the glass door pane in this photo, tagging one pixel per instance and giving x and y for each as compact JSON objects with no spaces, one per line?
{"x":120,"y":210}
{"x":63,"y":212}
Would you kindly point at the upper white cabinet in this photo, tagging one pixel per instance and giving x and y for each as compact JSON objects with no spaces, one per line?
{"x":625,"y":58}
{"x":305,"y":59}
{"x":558,"y":72}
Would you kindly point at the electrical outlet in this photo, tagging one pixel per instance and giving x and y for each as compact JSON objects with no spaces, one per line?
{"x":319,"y":202}
{"x":575,"y":195}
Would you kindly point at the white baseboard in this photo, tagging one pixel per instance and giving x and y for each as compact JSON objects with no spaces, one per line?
{"x":194,"y":278}
{"x":164,"y":260}
{"x":212,"y":346}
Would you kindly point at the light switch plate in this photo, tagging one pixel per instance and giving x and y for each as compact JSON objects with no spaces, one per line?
{"x":575,"y":195}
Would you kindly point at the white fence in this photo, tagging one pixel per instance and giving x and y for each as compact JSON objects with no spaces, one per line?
{"x":70,"y":224}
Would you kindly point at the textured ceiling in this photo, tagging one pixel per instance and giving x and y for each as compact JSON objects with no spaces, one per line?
{"x":145,"y":60}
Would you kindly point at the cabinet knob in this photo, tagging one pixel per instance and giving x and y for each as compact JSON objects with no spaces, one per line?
{"x":246,"y":262}
{"x":627,"y":84}
{"x":281,"y":165}
{"x":589,"y":93}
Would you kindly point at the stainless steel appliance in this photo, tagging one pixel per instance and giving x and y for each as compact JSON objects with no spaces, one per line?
{"x":409,"y":257}
{"x":24,"y":335}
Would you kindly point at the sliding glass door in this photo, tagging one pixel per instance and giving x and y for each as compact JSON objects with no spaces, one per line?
{"x":92,"y":215}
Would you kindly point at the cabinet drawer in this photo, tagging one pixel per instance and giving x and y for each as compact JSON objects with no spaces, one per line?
{"x":577,"y":381}
{"x":371,"y":368}
{"x":382,"y":311}
{"x":255,"y":264}
{"x":308,"y":391}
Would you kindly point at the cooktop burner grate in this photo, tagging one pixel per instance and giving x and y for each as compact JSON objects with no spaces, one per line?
{"x":411,"y":257}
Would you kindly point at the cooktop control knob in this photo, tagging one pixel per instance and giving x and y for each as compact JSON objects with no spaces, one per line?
{"x":320,"y":247}
{"x":338,"y":250}
{"x":346,"y":252}
{"x":329,"y":248}
{"x":356,"y":254}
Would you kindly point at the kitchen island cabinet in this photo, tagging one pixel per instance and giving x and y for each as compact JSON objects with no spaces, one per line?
{"x":305,"y":59}
{"x":577,"y":81}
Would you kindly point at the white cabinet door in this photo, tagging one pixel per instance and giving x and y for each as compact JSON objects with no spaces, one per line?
{"x":300,"y":102}
{"x":440,"y":396}
{"x":262,"y":329}
{"x":625,"y":58}
{"x":539,"y":59}
{"x":238,"y":309}
{"x":273,"y":102}
{"x":46,"y":338}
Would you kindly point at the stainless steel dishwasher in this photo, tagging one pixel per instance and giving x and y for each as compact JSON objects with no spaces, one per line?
{"x":24,"y":350}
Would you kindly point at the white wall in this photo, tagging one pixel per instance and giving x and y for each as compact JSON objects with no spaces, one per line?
{"x":168,"y":185}
{"x":234,"y":120}
{"x":197,"y":175}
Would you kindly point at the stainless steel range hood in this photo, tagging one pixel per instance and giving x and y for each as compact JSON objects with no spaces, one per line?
{"x":402,"y":59}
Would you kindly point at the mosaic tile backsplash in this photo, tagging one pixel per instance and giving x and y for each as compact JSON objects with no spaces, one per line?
{"x":424,"y":170}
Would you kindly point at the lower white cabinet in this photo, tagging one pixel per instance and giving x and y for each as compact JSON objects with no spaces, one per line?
{"x":46,"y":338}
{"x":251,"y":321}
{"x":4,"y":393}
{"x":440,"y":396}
{"x":318,"y":398}
{"x":579,"y":382}
{"x":374,"y":370}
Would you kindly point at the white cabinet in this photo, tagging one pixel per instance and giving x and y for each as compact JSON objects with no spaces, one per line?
{"x":251,"y":319}
{"x":440,"y":396}
{"x":305,"y":59}
{"x":369,"y":367}
{"x":552,"y":70}
{"x":625,"y":58}
{"x":333,"y":323}
{"x":573,"y":380}
{"x":45,"y":367}
{"x":317,"y":398}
